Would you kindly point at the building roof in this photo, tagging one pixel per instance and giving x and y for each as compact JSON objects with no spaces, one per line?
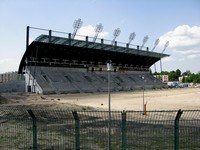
{"x":48,"y":50}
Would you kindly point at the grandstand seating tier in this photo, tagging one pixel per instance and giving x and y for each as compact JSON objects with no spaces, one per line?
{"x":73,"y":80}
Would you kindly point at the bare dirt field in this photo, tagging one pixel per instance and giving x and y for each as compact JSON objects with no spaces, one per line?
{"x":165,"y":99}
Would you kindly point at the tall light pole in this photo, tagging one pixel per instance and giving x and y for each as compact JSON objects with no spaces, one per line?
{"x":109,"y":67}
{"x":165,"y":46}
{"x":155,"y":44}
{"x":143,"y":94}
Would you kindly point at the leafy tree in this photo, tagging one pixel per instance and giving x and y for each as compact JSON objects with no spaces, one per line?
{"x":164,"y":73}
{"x":173,"y":76}
{"x":193,"y":78}
{"x":188,"y":77}
{"x":178,"y":72}
{"x":184,"y":79}
{"x":187,"y":73}
{"x":156,"y":73}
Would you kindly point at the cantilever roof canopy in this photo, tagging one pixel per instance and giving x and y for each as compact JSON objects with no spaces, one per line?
{"x":58,"y":50}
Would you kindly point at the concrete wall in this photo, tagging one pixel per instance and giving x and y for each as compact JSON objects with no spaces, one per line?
{"x":8,"y":76}
{"x":13,"y":86}
{"x":12,"y":82}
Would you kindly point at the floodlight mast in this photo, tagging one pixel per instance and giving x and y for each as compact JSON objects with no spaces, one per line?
{"x":77,"y":25}
{"x":165,"y":46}
{"x":98,"y":29}
{"x":155,"y":44}
{"x":116,"y":33}
{"x":131,"y":37}
{"x":144,"y":41}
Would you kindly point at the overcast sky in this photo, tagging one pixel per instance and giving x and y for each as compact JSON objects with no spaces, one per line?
{"x":176,"y":21}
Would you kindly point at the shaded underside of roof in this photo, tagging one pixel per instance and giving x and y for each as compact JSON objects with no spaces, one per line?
{"x":60,"y":50}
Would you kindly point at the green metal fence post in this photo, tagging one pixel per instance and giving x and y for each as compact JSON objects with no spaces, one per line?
{"x":176,"y":129}
{"x":34,"y":129}
{"x":77,"y":129}
{"x":123,"y":130}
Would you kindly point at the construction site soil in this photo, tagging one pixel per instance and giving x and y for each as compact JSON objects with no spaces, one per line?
{"x":165,"y":99}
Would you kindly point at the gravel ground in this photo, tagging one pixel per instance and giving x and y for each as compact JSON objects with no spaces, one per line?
{"x":166,"y":99}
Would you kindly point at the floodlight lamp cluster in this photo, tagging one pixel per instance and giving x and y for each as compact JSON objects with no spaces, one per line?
{"x":131,"y":37}
{"x":145,"y":39}
{"x":99,"y":28}
{"x":165,"y":46}
{"x":77,"y":25}
{"x":116,"y":33}
{"x":155,"y":44}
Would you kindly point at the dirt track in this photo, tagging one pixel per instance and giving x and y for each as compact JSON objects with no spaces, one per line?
{"x":170,"y":99}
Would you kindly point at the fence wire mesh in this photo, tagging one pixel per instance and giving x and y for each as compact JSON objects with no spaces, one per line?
{"x":189,"y":130}
{"x":24,"y":128}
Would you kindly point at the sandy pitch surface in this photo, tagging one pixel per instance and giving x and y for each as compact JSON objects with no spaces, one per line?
{"x":170,"y":99}
{"x":166,"y":99}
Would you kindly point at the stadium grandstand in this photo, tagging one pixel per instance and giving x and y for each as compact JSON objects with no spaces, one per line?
{"x":68,"y":64}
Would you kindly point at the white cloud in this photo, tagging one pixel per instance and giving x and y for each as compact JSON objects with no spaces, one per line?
{"x":8,"y":64}
{"x":184,"y":48}
{"x":189,"y":55}
{"x":184,"y":41}
{"x":181,"y":59}
{"x":90,"y":32}
{"x":188,"y":58}
{"x":193,"y":56}
{"x":168,"y":59}
{"x":182,"y":38}
{"x":187,"y":52}
{"x":2,"y":61}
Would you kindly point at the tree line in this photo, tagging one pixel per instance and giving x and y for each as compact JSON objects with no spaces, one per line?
{"x":187,"y":76}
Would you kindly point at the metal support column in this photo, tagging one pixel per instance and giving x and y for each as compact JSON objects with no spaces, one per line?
{"x":102,"y":41}
{"x":70,"y":38}
{"x":50,"y":34}
{"x":160,"y":66}
{"x":27,"y":36}
{"x":86,"y":40}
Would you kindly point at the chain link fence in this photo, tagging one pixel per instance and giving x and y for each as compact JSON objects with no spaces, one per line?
{"x":22,"y":128}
